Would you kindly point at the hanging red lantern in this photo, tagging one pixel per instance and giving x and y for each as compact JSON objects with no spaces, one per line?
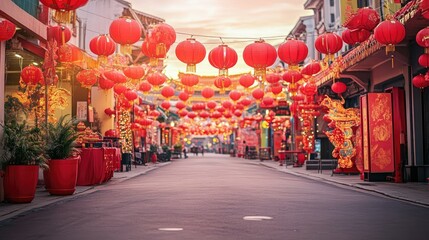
{"x":87,"y":77}
{"x":125,"y":31}
{"x":64,"y":10}
{"x":145,"y":87}
{"x":134,"y":72}
{"x":260,"y":55}
{"x":204,"y":114}
{"x":258,"y":94}
{"x":156,"y":79}
{"x":389,"y":33}
{"x":163,"y":35}
{"x":190,"y":52}
{"x":31,"y":75}
{"x":338,"y":87}
{"x":293,"y":52}
{"x":211,"y":105}
{"x":273,"y":78}
{"x":7,"y":29}
{"x":234,"y":95}
{"x":238,"y":113}
{"x":308,"y":88}
{"x":268,"y":101}
{"x":180,"y":105}
{"x":424,"y":8}
{"x":155,"y":55}
{"x":328,"y":43}
{"x":167,"y":92}
{"x":422,"y":39}
{"x":223,"y":57}
{"x":166,"y":105}
{"x":276,"y":88}
{"x":355,"y":36}
{"x":189,"y":80}
{"x":105,"y":83}
{"x":222,"y":82}
{"x":109,"y":112}
{"x":119,"y":89}
{"x":227,"y":104}
{"x":115,"y":76}
{"x":292,"y":76}
{"x":103,"y":46}
{"x":192,"y":115}
{"x":245,"y":102}
{"x":61,"y":34}
{"x":419,"y":81}
{"x":130,"y":95}
{"x":424,"y":60}
{"x":183,"y":113}
{"x":365,"y":18}
{"x":216,"y":115}
{"x":183,"y":96}
{"x":246,"y":80}
{"x":311,"y":69}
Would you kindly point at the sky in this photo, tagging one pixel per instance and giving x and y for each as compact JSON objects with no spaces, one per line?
{"x":238,"y":22}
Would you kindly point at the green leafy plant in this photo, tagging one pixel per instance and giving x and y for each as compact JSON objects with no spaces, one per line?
{"x":21,"y":143}
{"x":61,"y":136}
{"x":153,"y":148}
{"x":177,"y":147}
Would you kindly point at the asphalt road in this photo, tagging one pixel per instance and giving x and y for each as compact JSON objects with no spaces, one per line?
{"x":218,"y":197}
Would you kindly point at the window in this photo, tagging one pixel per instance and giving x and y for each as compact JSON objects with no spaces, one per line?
{"x":331,"y":3}
{"x":332,"y":18}
{"x":363,"y":3}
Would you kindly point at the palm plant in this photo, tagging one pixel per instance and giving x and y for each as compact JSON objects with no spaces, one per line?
{"x":61,"y":136}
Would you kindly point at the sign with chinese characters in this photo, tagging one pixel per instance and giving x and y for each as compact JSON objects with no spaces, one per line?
{"x":82,"y":110}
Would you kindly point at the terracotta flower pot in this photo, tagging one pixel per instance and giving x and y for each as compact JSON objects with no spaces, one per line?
{"x":61,"y":177}
{"x":20,"y":183}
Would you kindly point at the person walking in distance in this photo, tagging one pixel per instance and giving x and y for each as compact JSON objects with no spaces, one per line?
{"x":202,"y":151}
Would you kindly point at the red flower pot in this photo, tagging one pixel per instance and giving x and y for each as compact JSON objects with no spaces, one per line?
{"x":20,"y":183}
{"x":61,"y":177}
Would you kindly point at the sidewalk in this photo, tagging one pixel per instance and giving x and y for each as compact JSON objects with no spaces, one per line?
{"x":413,"y":192}
{"x":43,"y":198}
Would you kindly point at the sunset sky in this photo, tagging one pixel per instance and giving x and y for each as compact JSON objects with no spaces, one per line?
{"x":238,"y":22}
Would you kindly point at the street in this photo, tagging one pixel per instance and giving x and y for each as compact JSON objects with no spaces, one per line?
{"x":218,"y":197}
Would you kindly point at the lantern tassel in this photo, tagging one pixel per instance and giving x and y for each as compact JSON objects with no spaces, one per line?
{"x":126,"y":49}
{"x":191,"y":68}
{"x":392,"y":57}
{"x":63,"y":16}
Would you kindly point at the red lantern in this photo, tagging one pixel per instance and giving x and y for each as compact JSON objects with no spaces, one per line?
{"x":87,"y":77}
{"x":308,"y":89}
{"x":145,"y":87}
{"x":166,"y":105}
{"x":365,"y":18}
{"x":134,"y":72}
{"x":227,"y":104}
{"x":183,"y":96}
{"x":167,"y":92}
{"x":246,"y":80}
{"x":192,"y":115}
{"x":328,"y":43}
{"x":180,"y":105}
{"x":130,"y":95}
{"x":292,"y":76}
{"x":258,"y":94}
{"x":216,"y":115}
{"x":260,"y":55}
{"x":204,"y":114}
{"x":163,"y":35}
{"x":103,"y":46}
{"x":338,"y":87}
{"x":110,"y":133}
{"x":268,"y":101}
{"x":64,"y":9}
{"x":222,"y":83}
{"x":105,"y":83}
{"x":244,"y":102}
{"x":189,"y":80}
{"x":420,"y":82}
{"x":183,"y":113}
{"x":293,"y":52}
{"x":355,"y":36}
{"x":422,"y":38}
{"x":190,"y":52}
{"x":211,"y":105}
{"x":31,"y":75}
{"x":125,"y":31}
{"x":389,"y":33}
{"x":276,"y":88}
{"x":7,"y":29}
{"x":273,"y":78}
{"x":311,"y":68}
{"x":115,"y":76}
{"x":223,"y":58}
{"x":424,"y":60}
{"x":234,"y":95}
{"x":61,"y":34}
{"x":119,"y":89}
{"x":156,"y":79}
{"x":155,"y":55}
{"x":237,"y":113}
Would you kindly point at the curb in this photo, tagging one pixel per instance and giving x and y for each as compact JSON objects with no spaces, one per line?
{"x":309,"y":176}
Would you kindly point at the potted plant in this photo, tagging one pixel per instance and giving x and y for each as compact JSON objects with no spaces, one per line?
{"x":22,"y":153}
{"x":61,"y":177}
